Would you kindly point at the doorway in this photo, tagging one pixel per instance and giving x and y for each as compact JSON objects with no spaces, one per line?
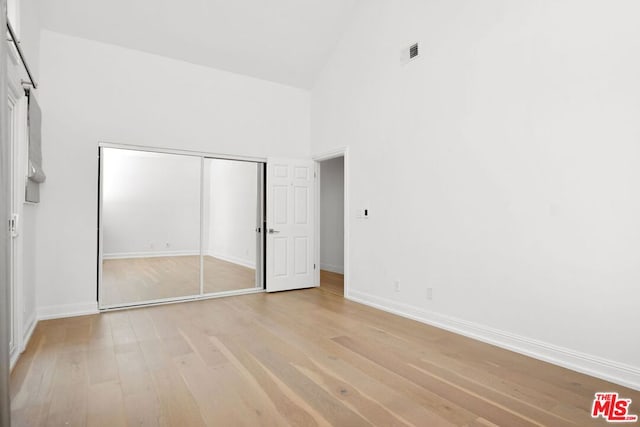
{"x":332,"y":224}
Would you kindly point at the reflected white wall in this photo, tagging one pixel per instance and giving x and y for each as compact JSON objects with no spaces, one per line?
{"x":231,"y":210}
{"x":151,"y":204}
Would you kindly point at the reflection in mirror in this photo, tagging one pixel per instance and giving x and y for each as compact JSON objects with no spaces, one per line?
{"x":150,"y":226}
{"x":230,"y":215}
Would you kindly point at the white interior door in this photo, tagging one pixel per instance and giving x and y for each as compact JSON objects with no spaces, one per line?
{"x":290,"y":224}
{"x":16,"y":108}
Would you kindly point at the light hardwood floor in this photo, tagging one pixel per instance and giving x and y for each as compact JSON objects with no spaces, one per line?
{"x":133,"y":280}
{"x":332,"y":282}
{"x":299,"y":358}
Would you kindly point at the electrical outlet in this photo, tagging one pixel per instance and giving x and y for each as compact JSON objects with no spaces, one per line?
{"x":396,"y":285}
{"x":429,"y":293}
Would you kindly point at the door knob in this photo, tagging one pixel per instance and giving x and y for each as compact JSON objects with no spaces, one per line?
{"x":272,"y":231}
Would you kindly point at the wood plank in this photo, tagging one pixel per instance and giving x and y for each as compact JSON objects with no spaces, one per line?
{"x":332,"y":282}
{"x":286,"y":401}
{"x":294,"y":358}
{"x":488,"y":409}
{"x":132,"y":280}
{"x":105,"y":405}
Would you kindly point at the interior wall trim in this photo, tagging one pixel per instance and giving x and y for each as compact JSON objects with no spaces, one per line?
{"x":232,"y":259}
{"x":208,"y":155}
{"x":67,"y":310}
{"x":319,"y":157}
{"x":161,"y":254}
{"x":615,"y":372}
{"x":33,"y":322}
{"x":154,"y":254}
{"x":192,"y":298}
{"x":332,"y":268}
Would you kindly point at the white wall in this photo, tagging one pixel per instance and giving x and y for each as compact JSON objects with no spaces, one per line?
{"x":500,"y":169}
{"x":151,"y":204}
{"x":332,"y":215}
{"x":231,"y":214}
{"x":92,"y":91}
{"x":29,"y":33}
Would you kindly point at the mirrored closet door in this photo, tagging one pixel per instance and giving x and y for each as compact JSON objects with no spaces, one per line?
{"x":230,"y":224}
{"x":176,"y":227}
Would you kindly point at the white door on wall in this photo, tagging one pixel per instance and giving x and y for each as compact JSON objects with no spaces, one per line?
{"x":290,"y":224}
{"x":17,"y":137}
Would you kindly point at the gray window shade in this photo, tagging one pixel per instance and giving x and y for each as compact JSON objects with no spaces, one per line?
{"x":35,"y":174}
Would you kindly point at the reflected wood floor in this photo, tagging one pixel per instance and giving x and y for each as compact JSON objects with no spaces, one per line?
{"x":299,"y":358}
{"x":332,"y":282}
{"x":143,"y":279}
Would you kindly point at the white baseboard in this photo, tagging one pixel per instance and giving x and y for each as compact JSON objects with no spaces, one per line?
{"x":67,"y":310}
{"x":332,"y":268}
{"x":228,"y":258}
{"x":232,"y":259}
{"x":154,"y":254}
{"x":26,"y":336}
{"x":51,"y":312}
{"x":13,"y":359}
{"x":625,"y":375}
{"x":33,"y":322}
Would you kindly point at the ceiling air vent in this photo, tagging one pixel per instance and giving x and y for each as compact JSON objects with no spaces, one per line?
{"x":413,"y":51}
{"x":409,"y":53}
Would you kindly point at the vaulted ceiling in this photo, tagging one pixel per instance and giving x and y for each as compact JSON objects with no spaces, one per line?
{"x":286,"y":41}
